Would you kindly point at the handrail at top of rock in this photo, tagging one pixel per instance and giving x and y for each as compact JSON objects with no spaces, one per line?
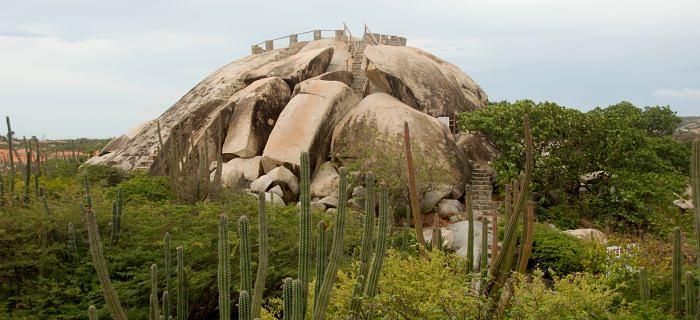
{"x":340,"y":35}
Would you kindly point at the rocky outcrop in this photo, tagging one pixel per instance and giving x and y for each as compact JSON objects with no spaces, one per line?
{"x":422,"y":81}
{"x":296,"y":68}
{"x":341,"y":53}
{"x":306,"y":124}
{"x":250,"y":168}
{"x":340,"y":76}
{"x":476,"y":148}
{"x":231,"y":177}
{"x":325,"y":181}
{"x":381,"y":117}
{"x":254,"y":116}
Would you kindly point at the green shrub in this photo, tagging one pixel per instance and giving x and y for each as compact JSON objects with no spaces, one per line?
{"x":104,"y":176}
{"x":555,"y":251}
{"x":144,"y":187}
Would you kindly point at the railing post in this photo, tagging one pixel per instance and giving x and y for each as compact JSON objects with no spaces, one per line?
{"x":255,"y":49}
{"x":269,"y":46}
{"x":402,"y":41}
{"x":340,"y":35}
{"x":317,"y":34}
{"x":293,"y":39}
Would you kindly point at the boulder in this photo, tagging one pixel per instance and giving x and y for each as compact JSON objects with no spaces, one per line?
{"x":331,"y":202}
{"x":359,"y":192}
{"x":281,"y":176}
{"x":295,"y":68}
{"x":306,"y":124}
{"x":278,"y":191}
{"x":325,"y":181}
{"x":262,"y":183}
{"x":588,"y":234}
{"x":341,"y":60}
{"x":340,"y":76}
{"x":461,"y":240}
{"x":332,"y":210}
{"x":377,"y":122}
{"x":683,"y":204}
{"x":447,"y":236}
{"x":449,"y":207}
{"x":250,"y":167}
{"x":422,"y":81}
{"x":231,"y":177}
{"x":476,"y":148}
{"x":270,"y":198}
{"x":317,"y":206}
{"x":431,"y":198}
{"x":138,"y":148}
{"x":253,"y":117}
{"x":355,"y":205}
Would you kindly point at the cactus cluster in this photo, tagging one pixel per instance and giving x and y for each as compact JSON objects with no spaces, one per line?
{"x":382,"y":241}
{"x":263,"y":252}
{"x":366,"y":245}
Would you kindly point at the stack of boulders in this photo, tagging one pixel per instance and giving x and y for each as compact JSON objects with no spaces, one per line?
{"x":277,"y":104}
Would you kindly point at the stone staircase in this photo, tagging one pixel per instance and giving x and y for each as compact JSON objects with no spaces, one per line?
{"x":358,"y":75}
{"x":482,"y":191}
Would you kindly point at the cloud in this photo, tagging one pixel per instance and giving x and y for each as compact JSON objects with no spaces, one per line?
{"x":20,"y":33}
{"x":682,"y":94}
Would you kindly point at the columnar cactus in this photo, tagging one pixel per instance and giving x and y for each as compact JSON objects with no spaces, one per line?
{"x":245,"y":263}
{"x":321,"y":255}
{"x":99,"y":263}
{"x":224,"y":270}
{"x":304,"y":269}
{"x":263,"y":252}
{"x":494,"y":236}
{"x":27,"y":172}
{"x":329,"y":276}
{"x":11,"y":151}
{"x":154,"y":313}
{"x":690,"y":293}
{"x":366,"y":248}
{"x":244,"y":306}
{"x":470,"y":230}
{"x":181,"y":286}
{"x":287,"y":293}
{"x":677,"y":267}
{"x":413,"y":191}
{"x":526,"y":245}
{"x":166,"y":306}
{"x":168,"y":260}
{"x":297,"y":300}
{"x":435,"y":242}
{"x":644,"y":292}
{"x":695,"y":185}
{"x":484,"y":265}
{"x":92,"y":313}
{"x":155,"y":307}
{"x":383,"y":231}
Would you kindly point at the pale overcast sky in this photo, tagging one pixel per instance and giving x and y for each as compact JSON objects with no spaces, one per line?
{"x":96,"y":68}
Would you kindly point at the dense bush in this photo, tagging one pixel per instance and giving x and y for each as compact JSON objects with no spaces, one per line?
{"x":143,"y":187}
{"x":557,"y":253}
{"x":102,"y":175}
{"x":641,"y":166}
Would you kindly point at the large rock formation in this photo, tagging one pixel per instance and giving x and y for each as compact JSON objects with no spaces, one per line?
{"x":422,"y":81}
{"x":381,"y":117}
{"x":260,"y":112}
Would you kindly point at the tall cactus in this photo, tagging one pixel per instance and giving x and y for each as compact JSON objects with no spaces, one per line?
{"x":11,"y":153}
{"x":117,"y":206}
{"x":695,"y":185}
{"x":502,"y":264}
{"x":27,"y":171}
{"x":321,"y":255}
{"x":297,"y":300}
{"x":336,"y":255}
{"x":528,"y":235}
{"x":677,"y":267}
{"x":92,"y":313}
{"x":383,"y":231}
{"x":166,"y":306}
{"x":263,"y":252}
{"x":168,"y":260}
{"x":154,"y":306}
{"x":304,"y":270}
{"x":366,"y":248}
{"x":484,"y":254}
{"x":287,"y":299}
{"x":494,"y":235}
{"x":644,"y":292}
{"x":244,"y":306}
{"x":690,"y":293}
{"x":470,"y":230}
{"x":435,"y":242}
{"x":224,"y":270}
{"x":413,"y":191}
{"x":181,"y":287}
{"x":99,"y":263}
{"x":245,"y":263}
